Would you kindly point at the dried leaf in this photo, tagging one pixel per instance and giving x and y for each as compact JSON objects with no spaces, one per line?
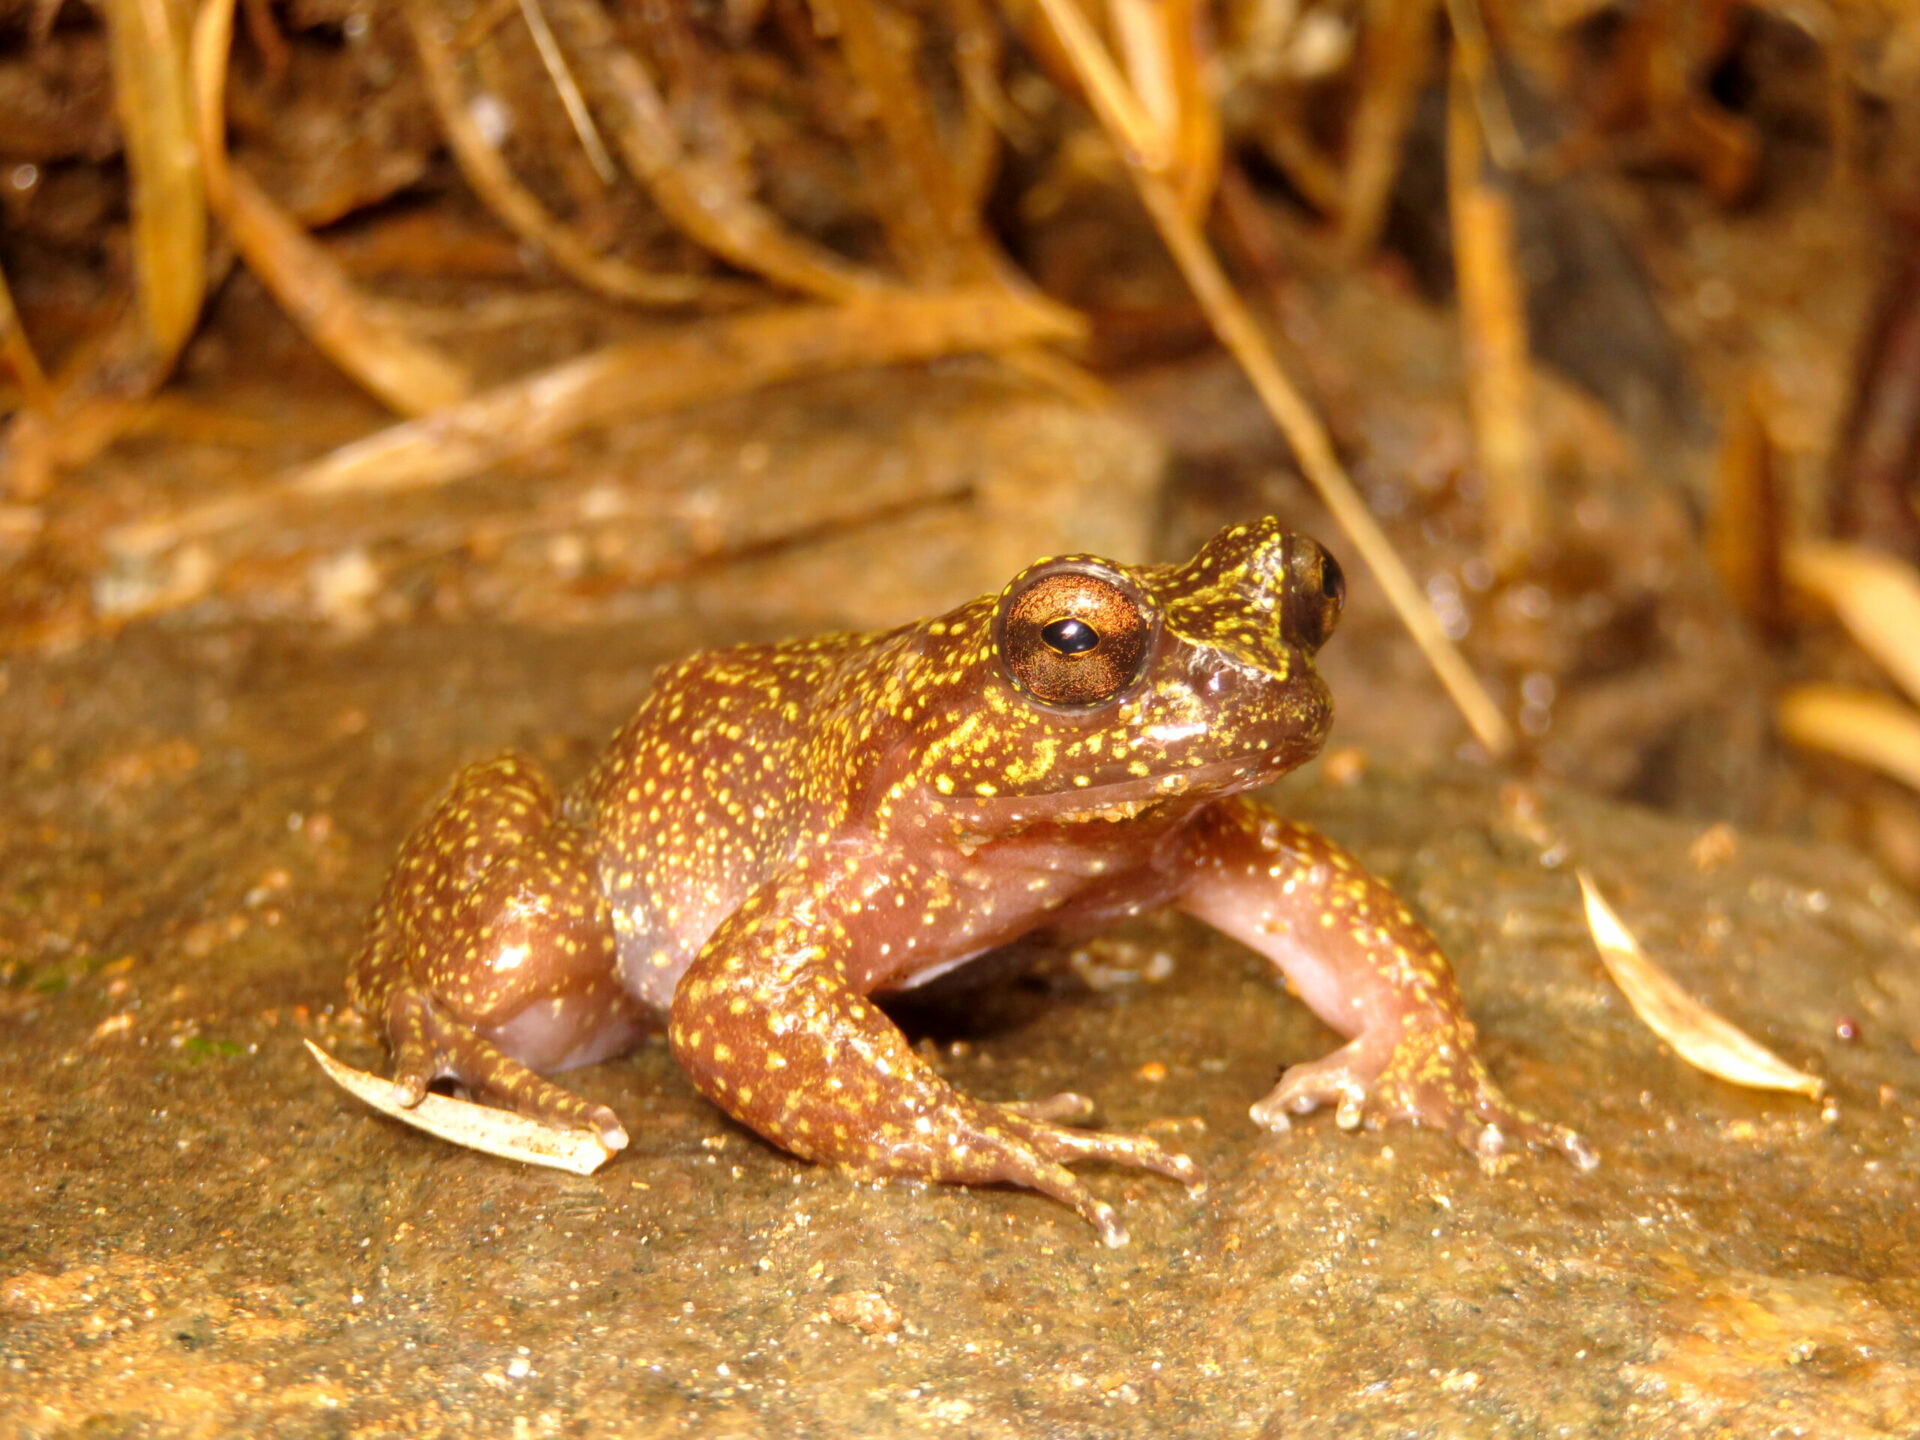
{"x":1863,"y":725}
{"x":1876,"y":597}
{"x":1698,"y":1036}
{"x":478,"y":1127}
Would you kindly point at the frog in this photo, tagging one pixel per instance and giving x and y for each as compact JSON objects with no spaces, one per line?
{"x":784,"y":833}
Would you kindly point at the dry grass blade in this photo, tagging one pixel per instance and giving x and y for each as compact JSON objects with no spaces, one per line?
{"x":487,"y":171}
{"x":709,"y":195}
{"x":478,"y":1127}
{"x":1747,"y":520}
{"x":380,"y":354}
{"x":1128,"y":122}
{"x":169,"y":199}
{"x":711,"y":361}
{"x":17,"y":351}
{"x":1493,"y":315}
{"x":1393,"y":69}
{"x":95,"y":396}
{"x":977,"y":54}
{"x":1168,"y":71}
{"x":377,"y":351}
{"x":1697,"y":1035}
{"x":935,"y":235}
{"x":571,"y":100}
{"x":1862,"y":725}
{"x":1237,"y":331}
{"x":1876,"y":597}
{"x":1478,"y":61}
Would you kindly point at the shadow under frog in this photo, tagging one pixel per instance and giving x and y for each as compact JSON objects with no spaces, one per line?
{"x":781,"y":832}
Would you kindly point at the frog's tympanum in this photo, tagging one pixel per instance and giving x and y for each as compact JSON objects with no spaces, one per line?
{"x":782,"y":832}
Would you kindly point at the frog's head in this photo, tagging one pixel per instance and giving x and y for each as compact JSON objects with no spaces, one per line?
{"x":1097,"y":690}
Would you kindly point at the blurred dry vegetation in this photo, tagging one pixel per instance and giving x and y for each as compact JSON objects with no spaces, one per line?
{"x":1593,"y":325}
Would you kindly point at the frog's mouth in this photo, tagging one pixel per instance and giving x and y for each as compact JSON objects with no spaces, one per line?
{"x":1118,"y":800}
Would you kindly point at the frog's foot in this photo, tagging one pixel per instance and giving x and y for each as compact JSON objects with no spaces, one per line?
{"x":1431,"y":1076}
{"x":1005,"y":1143}
{"x":428,"y":1045}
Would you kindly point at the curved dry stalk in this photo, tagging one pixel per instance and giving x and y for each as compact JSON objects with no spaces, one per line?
{"x":1236,"y":330}
{"x":706,"y":196}
{"x":97,"y":392}
{"x":376,"y":352}
{"x":1285,"y":141}
{"x":495,"y":183}
{"x":1168,"y":69}
{"x":1070,"y":43}
{"x":1474,"y":50}
{"x":711,"y":361}
{"x":936,"y":235}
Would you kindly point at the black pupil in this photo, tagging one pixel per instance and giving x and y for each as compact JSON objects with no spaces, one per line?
{"x":1070,"y":636}
{"x":1333,"y":584}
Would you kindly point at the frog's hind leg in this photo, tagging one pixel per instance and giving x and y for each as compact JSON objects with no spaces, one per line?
{"x":490,"y":956}
{"x":768,"y":1026}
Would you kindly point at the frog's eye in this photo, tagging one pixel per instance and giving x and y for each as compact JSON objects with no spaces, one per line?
{"x":1316,"y":591}
{"x":1074,"y":638}
{"x":1333,"y":582}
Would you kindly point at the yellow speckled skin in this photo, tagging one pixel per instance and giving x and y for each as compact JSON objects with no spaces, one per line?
{"x":782,"y":831}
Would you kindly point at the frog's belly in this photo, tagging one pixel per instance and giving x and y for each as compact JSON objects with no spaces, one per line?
{"x":549,"y":1039}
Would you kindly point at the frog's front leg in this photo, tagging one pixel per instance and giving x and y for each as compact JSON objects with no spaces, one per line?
{"x":1366,"y":967}
{"x":770,"y":1027}
{"x":490,"y":955}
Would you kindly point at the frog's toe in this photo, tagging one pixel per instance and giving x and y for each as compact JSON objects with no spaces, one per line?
{"x":1010,"y":1152}
{"x":1431,"y":1076}
{"x":1068,"y":1106}
{"x":1337,"y":1080}
{"x":1065,"y":1143}
{"x":1454,"y":1092}
{"x":1001,"y":1143}
{"x":430,"y":1045}
{"x":1497,"y":1122}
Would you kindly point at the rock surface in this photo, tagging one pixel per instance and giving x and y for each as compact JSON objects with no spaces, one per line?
{"x":199,"y":1235}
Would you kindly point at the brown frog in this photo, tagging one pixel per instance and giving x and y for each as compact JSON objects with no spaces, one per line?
{"x":781,"y":832}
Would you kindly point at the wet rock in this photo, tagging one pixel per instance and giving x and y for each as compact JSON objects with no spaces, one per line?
{"x":196,"y":1231}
